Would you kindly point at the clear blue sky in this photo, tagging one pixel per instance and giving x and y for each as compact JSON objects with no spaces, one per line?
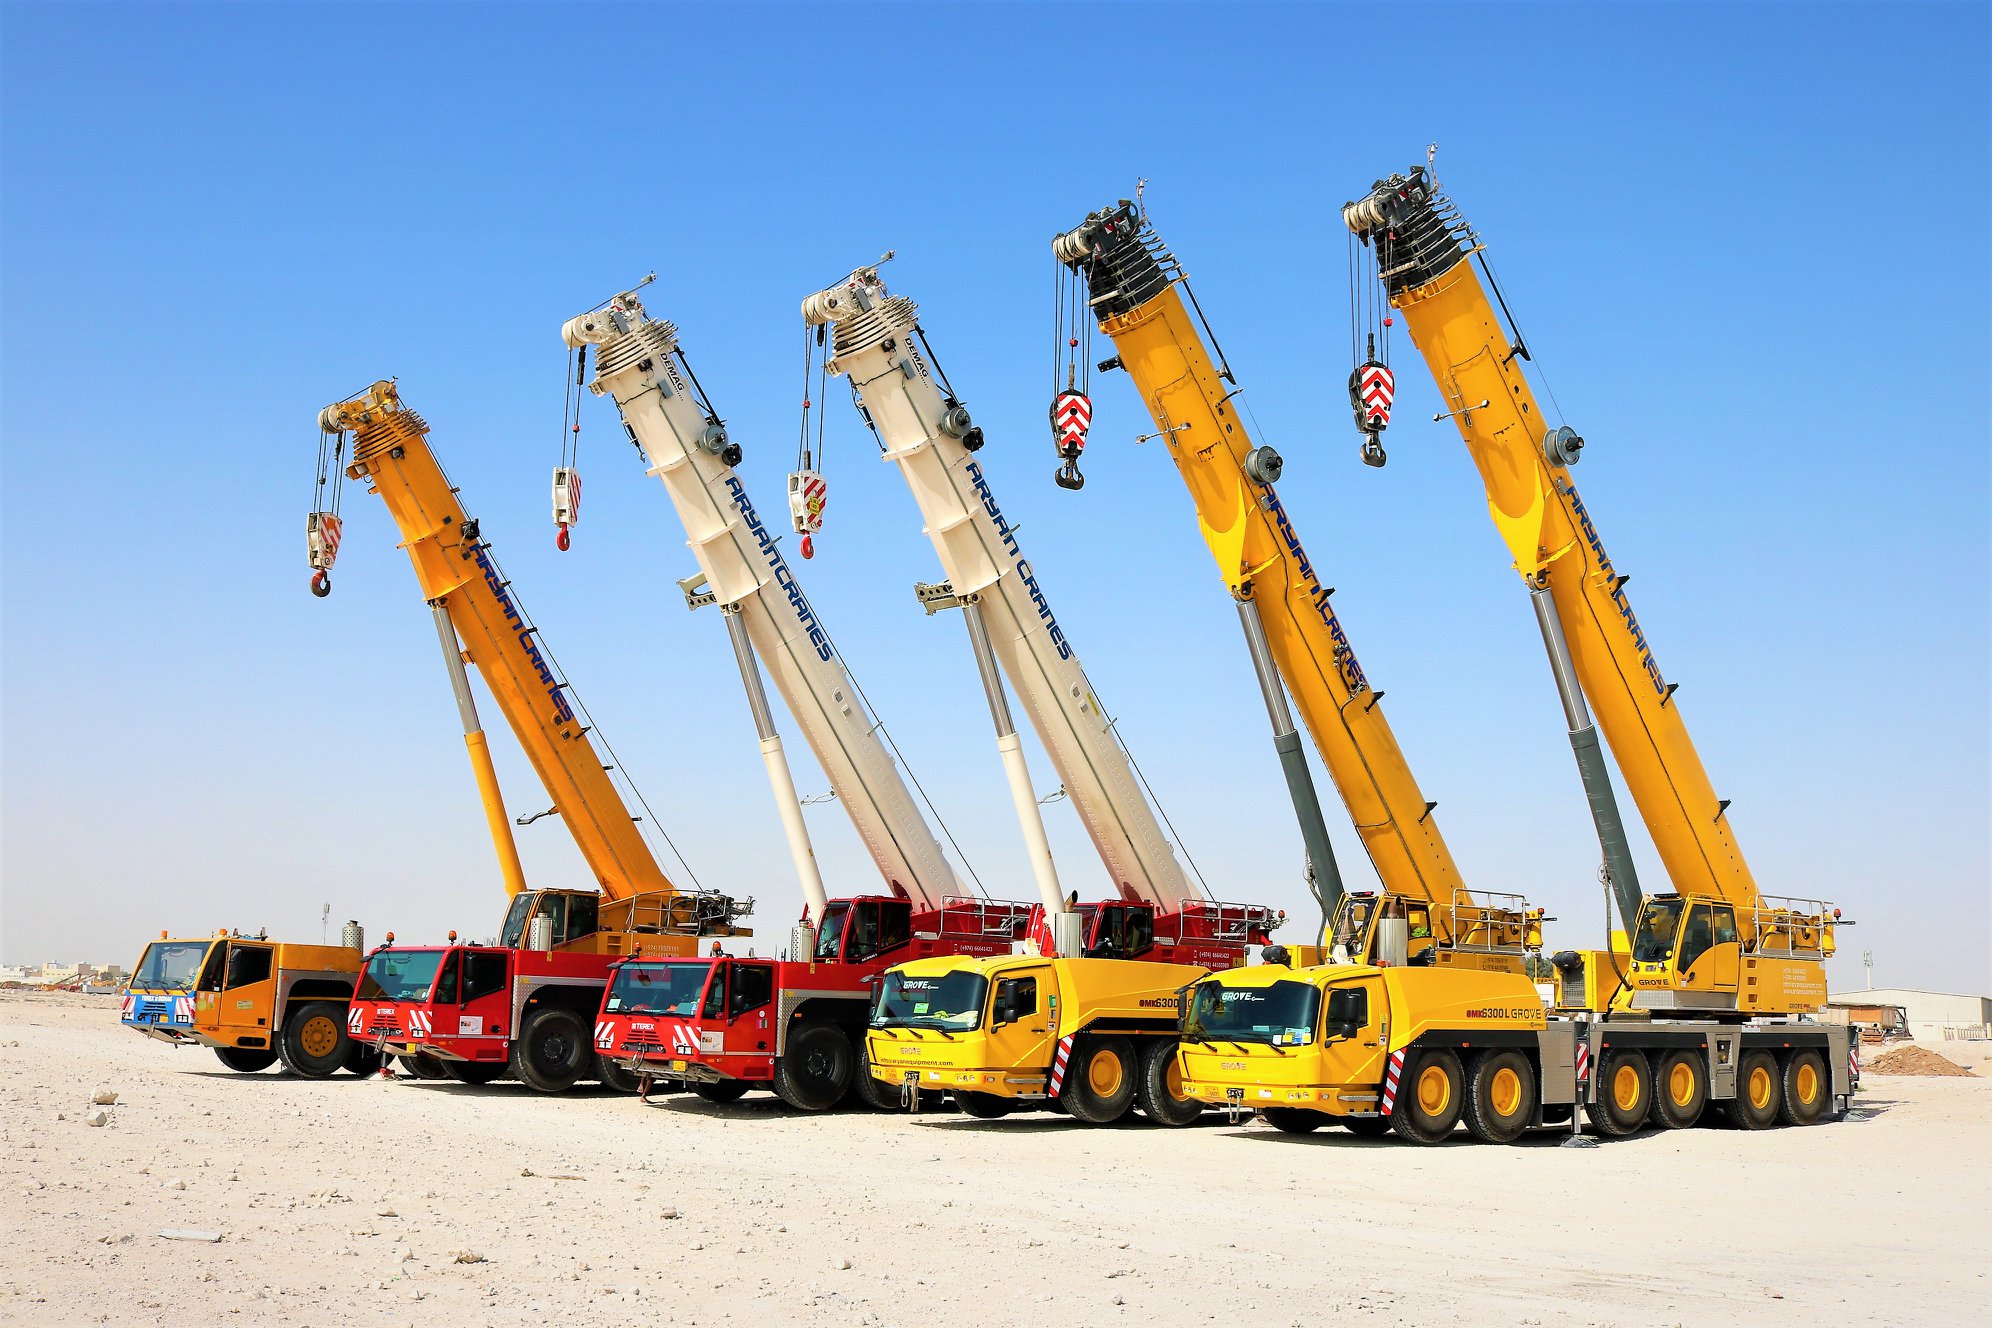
{"x":1749,"y":246}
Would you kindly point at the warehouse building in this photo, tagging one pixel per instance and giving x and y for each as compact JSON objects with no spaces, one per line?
{"x":1934,"y":1016}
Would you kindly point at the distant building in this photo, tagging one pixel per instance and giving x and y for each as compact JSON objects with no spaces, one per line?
{"x":1933,"y":1015}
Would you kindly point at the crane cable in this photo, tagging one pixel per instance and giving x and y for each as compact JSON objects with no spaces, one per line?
{"x":567,"y":476}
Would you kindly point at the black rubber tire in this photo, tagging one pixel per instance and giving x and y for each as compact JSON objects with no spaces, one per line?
{"x":313,"y":1044}
{"x":246,"y":1060}
{"x":982,"y":1106}
{"x":421,"y":1065}
{"x":1500,"y":1096}
{"x":1294,"y":1120}
{"x":722,"y":1091}
{"x":1804,"y":1070}
{"x":612,"y":1076}
{"x":1625,"y":1094}
{"x":552,"y":1051}
{"x":869,"y":1090}
{"x":1416,"y":1120}
{"x":1106,"y":1060}
{"x":1159,"y":1079}
{"x":1365,"y":1127}
{"x":814,"y":1070}
{"x":1750,"y":1111}
{"x":1680,"y":1090}
{"x":364,"y":1059}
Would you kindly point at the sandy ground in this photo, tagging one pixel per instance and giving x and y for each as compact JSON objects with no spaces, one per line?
{"x":347,"y":1202}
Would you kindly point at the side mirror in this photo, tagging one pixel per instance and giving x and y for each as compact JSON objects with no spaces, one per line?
{"x":1348,"y":1011}
{"x":1004,"y":1013}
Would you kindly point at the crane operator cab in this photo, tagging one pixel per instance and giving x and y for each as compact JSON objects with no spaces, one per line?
{"x":857,"y":930}
{"x":1354,"y":931}
{"x":1122,"y":929}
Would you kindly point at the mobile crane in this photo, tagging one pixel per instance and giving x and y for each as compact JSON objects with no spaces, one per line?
{"x":525,"y":1003}
{"x":1087,"y":1021}
{"x":1135,"y":290}
{"x":796,"y":1025}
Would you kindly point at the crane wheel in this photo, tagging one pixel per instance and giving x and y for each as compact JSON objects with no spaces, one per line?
{"x":1625,"y":1094}
{"x":421,"y":1065}
{"x":1680,"y":1090}
{"x":1759,"y":1092}
{"x":982,"y":1106}
{"x":873,"y":1092}
{"x":245,"y":1060}
{"x":552,"y":1050}
{"x":364,"y":1059}
{"x":475,"y":1072}
{"x":313,"y":1044}
{"x":1806,"y":1089}
{"x":1366,"y":1127}
{"x":1430,"y":1096}
{"x":814,"y":1071}
{"x":722,"y":1091}
{"x":1294,"y":1120}
{"x":1500,"y":1096}
{"x":1160,"y":1091}
{"x":612,"y":1076}
{"x":1100,"y":1080}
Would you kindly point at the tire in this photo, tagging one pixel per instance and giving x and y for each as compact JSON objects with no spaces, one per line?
{"x":1625,"y":1094}
{"x":364,"y":1059}
{"x":1100,"y":1082}
{"x":552,"y":1051}
{"x":1294,"y":1120}
{"x":313,"y":1044}
{"x":1805,"y":1089}
{"x":724,"y":1091}
{"x":612,"y":1076}
{"x":982,"y":1106}
{"x":870,"y":1090}
{"x":1430,"y":1097}
{"x":1160,"y":1091}
{"x":1759,"y":1092}
{"x":1680,"y":1090}
{"x":1365,"y":1127}
{"x":814,"y":1071}
{"x":1500,"y":1097}
{"x":421,"y":1065}
{"x":475,"y":1072}
{"x":246,"y":1060}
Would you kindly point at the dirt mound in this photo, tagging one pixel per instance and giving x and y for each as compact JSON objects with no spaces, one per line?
{"x":1914,"y":1060}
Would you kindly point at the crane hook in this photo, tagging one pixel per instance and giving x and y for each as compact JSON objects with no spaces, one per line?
{"x":808,"y":547}
{"x":560,"y":541}
{"x":321,"y":583}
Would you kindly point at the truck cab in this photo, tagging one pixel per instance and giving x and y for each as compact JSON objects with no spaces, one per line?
{"x":159,"y":1000}
{"x":258,"y":1001}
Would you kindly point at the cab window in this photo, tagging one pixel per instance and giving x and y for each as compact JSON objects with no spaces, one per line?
{"x":895,"y":925}
{"x":583,"y":918}
{"x":446,"y":981}
{"x":1140,"y":931}
{"x":215,"y":969}
{"x":830,"y":938}
{"x":715,"y":998}
{"x":1015,"y":998}
{"x":483,"y":974}
{"x":753,"y":987}
{"x":1724,"y":917}
{"x":248,"y":964}
{"x":864,"y":932}
{"x":554,"y":908}
{"x":1697,"y":936}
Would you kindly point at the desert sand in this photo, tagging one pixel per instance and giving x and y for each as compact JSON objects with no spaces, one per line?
{"x":402,"y":1202}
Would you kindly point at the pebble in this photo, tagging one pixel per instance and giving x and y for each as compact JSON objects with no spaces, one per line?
{"x":103,"y":1097}
{"x":97,"y":1119}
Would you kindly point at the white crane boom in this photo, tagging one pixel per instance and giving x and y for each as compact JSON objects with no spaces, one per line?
{"x":926,"y":432}
{"x":638,"y":364}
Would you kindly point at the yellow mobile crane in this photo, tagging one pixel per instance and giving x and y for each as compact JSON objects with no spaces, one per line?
{"x":1717,"y":944}
{"x":1135,"y":290}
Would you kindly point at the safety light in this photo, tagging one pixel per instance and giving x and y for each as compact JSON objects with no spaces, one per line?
{"x":452,"y":935}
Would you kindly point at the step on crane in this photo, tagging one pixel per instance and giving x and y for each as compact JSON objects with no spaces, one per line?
{"x":1122,"y":277}
{"x":1716,"y":944}
{"x":524,"y":1004}
{"x":1087,"y":1019}
{"x":796,"y":1025}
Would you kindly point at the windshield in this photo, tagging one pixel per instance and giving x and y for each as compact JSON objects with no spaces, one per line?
{"x":170,"y":965}
{"x":400,"y":975}
{"x":1658,"y":922}
{"x":951,"y":1002}
{"x":513,"y":934}
{"x":830,"y":936}
{"x":657,"y":989}
{"x":1283,"y":1014}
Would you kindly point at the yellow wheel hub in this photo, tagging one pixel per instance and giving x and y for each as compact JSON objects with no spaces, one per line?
{"x":1172,"y":1081}
{"x":1104,"y":1074}
{"x":1681,"y":1084}
{"x":1625,"y":1087}
{"x":318,"y":1037}
{"x":1434,"y":1090}
{"x":1506,"y":1092}
{"x":1808,"y":1083}
{"x":1760,"y":1087}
